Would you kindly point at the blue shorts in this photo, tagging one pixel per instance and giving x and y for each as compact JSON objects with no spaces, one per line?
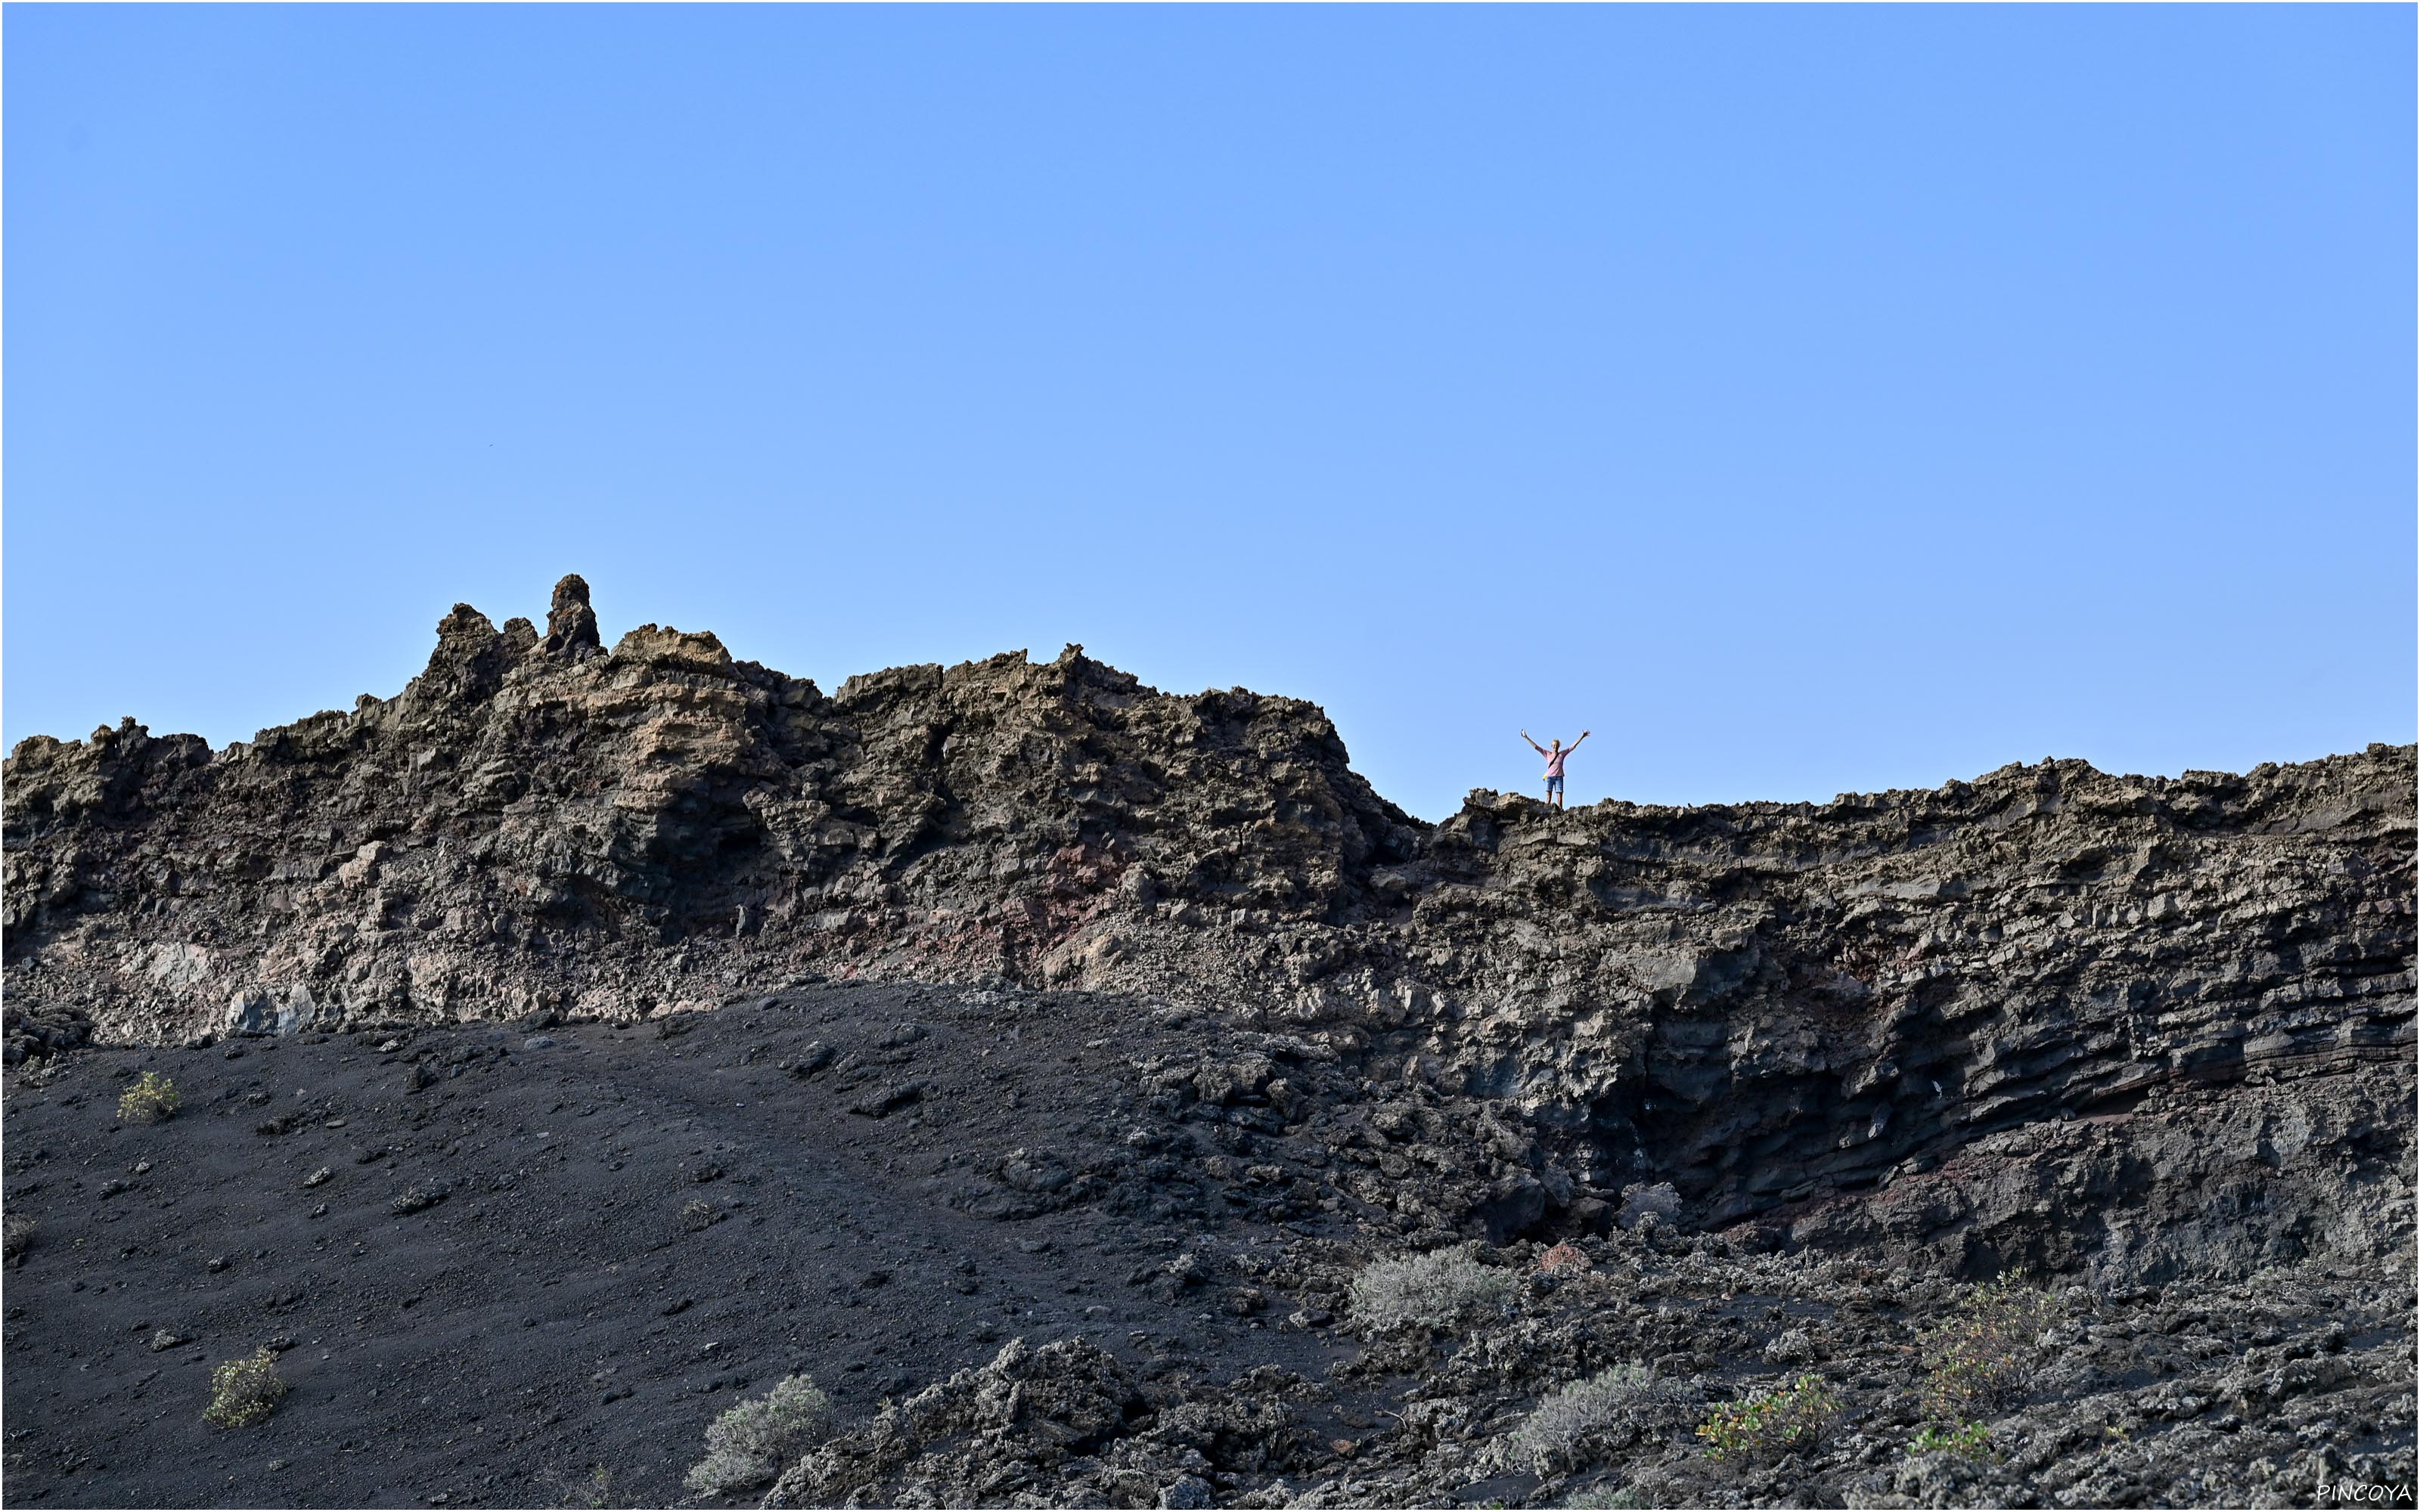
{"x":1554,"y":784}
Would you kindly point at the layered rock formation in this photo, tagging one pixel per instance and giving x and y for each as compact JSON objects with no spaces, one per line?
{"x":1766,"y":1006}
{"x":537,"y":822}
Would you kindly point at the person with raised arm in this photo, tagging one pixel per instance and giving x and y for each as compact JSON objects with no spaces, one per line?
{"x":1554,"y":765}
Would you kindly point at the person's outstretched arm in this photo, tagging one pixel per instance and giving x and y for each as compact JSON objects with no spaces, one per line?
{"x":1576,"y":744}
{"x":1534,"y":745}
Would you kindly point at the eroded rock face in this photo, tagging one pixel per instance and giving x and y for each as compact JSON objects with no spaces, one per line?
{"x":1765,"y":1006}
{"x":537,"y":823}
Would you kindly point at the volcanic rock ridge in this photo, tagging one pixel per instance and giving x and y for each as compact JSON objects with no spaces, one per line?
{"x":1772,"y":1007}
{"x":1114,"y":1102}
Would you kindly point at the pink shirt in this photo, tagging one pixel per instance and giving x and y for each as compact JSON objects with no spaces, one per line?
{"x":1555,"y":761}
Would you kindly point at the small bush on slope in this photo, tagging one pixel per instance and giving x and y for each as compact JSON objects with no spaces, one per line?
{"x":1552,"y":1432}
{"x":1610,"y":1496}
{"x":1426,"y":1290}
{"x":1789,"y":1416}
{"x":592,"y":1492}
{"x":152,"y":1098}
{"x":1565,"y":1259}
{"x":750,"y":1444}
{"x":1980,"y":1357}
{"x":1972,"y":1442}
{"x":243,"y":1392}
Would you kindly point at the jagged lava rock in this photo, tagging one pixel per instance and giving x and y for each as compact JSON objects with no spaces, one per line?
{"x":1765,"y":1005}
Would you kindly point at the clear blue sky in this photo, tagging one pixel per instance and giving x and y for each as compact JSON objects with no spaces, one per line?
{"x":1804,"y":399}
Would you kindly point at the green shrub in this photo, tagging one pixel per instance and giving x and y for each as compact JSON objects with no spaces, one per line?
{"x":750,"y":1444}
{"x":1979,"y":1356}
{"x":1552,"y":1433}
{"x":151,"y":1098}
{"x":243,"y":1392}
{"x":1972,"y":1441}
{"x":1791,"y":1416}
{"x":1427,"y":1290}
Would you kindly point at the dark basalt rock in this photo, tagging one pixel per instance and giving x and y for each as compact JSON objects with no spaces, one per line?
{"x":1765,"y":1005}
{"x":2122,"y":1030}
{"x":570,"y":623}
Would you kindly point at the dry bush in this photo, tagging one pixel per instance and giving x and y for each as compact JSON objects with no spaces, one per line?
{"x":243,"y":1392}
{"x":1563,"y":1259}
{"x":1427,"y":1290}
{"x":16,"y":1236}
{"x":591,"y":1492}
{"x":1611,"y":1496}
{"x":151,"y":1098}
{"x":1553,"y":1432}
{"x":750,"y":1444}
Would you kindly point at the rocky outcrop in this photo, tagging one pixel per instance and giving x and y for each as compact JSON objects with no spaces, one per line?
{"x":537,"y":823}
{"x":534,"y":822}
{"x":1765,"y":1005}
